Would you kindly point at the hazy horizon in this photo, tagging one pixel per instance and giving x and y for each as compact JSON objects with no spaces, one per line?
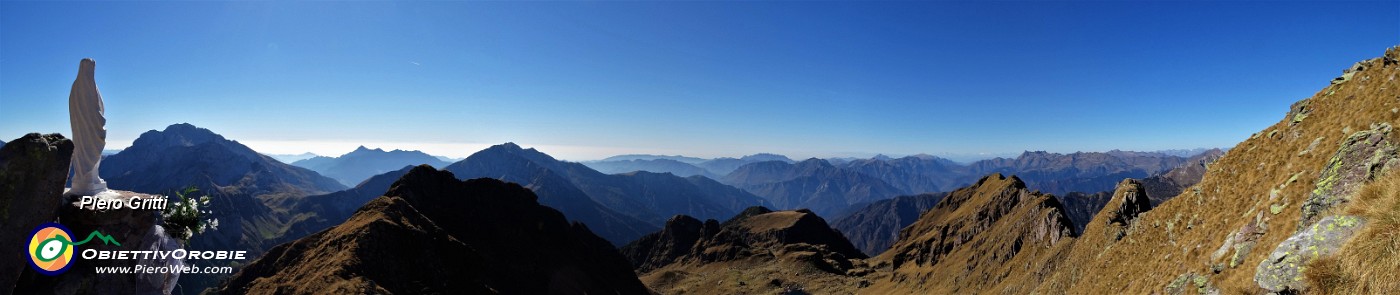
{"x":587,"y":80}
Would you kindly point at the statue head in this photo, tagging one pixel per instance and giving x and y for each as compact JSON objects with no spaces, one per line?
{"x":86,"y":66}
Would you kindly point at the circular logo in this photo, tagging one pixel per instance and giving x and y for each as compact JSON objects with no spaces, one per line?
{"x":51,"y":248}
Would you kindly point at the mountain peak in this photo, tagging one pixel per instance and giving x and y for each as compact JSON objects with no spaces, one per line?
{"x":364,"y":150}
{"x":474,"y":236}
{"x":1014,"y":182}
{"x":511,"y":148}
{"x":182,"y":134}
{"x":784,"y":246}
{"x":763,"y":157}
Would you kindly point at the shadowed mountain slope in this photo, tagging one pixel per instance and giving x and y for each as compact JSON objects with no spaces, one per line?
{"x":433,"y":233}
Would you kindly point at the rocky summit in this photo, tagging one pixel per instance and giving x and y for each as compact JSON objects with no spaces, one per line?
{"x":991,"y":229}
{"x":432,"y":233}
{"x":757,"y":251}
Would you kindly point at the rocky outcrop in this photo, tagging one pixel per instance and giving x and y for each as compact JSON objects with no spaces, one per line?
{"x":1362,"y":157}
{"x":750,"y":235}
{"x":674,"y":241}
{"x":755,"y":231}
{"x":1129,"y":201}
{"x":33,"y":169}
{"x":1283,"y":269}
{"x":768,"y":250}
{"x":433,"y":233}
{"x":875,"y":227}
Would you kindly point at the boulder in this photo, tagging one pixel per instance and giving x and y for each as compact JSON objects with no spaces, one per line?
{"x":1282,"y":270}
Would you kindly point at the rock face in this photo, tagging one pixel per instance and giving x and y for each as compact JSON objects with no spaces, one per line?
{"x":770,"y":250}
{"x":461,"y":237}
{"x":32,"y":171}
{"x":875,"y":227}
{"x":356,"y":166}
{"x":974,"y":235}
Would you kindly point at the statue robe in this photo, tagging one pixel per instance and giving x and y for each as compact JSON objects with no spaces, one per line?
{"x":89,"y":131}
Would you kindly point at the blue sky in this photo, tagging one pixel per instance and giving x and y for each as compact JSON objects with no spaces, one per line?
{"x":583,"y":80}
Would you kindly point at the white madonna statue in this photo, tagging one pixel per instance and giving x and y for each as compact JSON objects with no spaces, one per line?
{"x":89,"y":132}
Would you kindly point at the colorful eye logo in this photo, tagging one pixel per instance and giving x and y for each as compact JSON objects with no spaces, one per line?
{"x":51,"y":249}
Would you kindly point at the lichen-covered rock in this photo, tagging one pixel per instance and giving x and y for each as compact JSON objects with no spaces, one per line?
{"x":1282,"y":270}
{"x":1299,"y":111}
{"x":32,"y":171}
{"x":1191,"y":281}
{"x":1361,"y":157}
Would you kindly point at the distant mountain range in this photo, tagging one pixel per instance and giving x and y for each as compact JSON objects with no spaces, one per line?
{"x":682,"y":159}
{"x":679,"y":165}
{"x":289,"y":158}
{"x":353,"y":167}
{"x":812,"y":184}
{"x":620,"y":207}
{"x":835,"y":188}
{"x":650,"y":165}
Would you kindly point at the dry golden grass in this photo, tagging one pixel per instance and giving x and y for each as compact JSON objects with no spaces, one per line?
{"x":1370,"y":262}
{"x":1179,"y":236}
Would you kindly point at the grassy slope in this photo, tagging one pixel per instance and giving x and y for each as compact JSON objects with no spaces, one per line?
{"x":1179,"y":236}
